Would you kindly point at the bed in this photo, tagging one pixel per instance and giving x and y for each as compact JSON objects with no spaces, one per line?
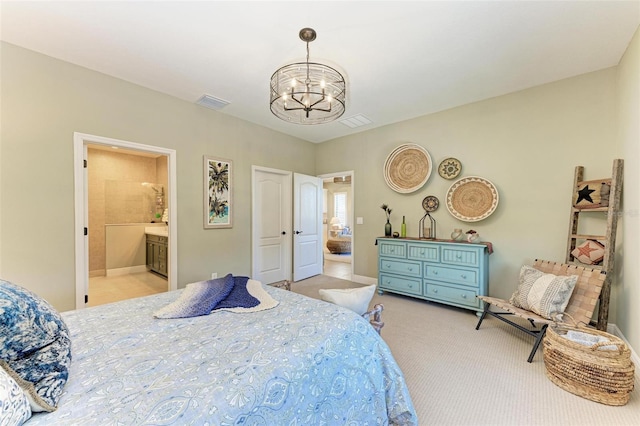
{"x":304,"y":361}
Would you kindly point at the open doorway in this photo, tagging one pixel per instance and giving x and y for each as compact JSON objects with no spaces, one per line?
{"x":338,"y":221}
{"x":125,"y":195}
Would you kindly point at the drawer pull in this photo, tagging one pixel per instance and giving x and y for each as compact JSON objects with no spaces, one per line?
{"x":464,"y":296}
{"x":435,"y":272}
{"x":388,"y":266}
{"x":388,"y":282}
{"x":410,"y":269}
{"x":464,"y":277}
{"x":458,"y":257}
{"x":435,"y":290}
{"x":393,"y":250}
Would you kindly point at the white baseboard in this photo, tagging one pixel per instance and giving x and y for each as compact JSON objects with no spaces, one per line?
{"x":126,"y":271}
{"x":363,"y":280}
{"x":613,"y":329}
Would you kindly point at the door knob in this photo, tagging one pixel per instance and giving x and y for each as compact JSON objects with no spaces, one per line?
{"x":284,"y":232}
{"x":298,"y":232}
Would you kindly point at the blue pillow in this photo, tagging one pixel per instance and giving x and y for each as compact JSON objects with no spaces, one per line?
{"x":198,"y":299}
{"x":35,"y":348}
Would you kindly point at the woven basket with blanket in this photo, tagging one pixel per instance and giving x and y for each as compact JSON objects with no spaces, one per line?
{"x":589,"y":363}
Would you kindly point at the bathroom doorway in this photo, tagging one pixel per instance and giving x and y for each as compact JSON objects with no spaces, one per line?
{"x":338,"y":225}
{"x":128,"y":197}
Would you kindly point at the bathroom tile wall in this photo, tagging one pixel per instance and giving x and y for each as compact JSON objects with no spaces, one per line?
{"x":117,"y":196}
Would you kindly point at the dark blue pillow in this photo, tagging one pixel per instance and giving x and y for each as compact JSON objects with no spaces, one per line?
{"x":35,"y":347}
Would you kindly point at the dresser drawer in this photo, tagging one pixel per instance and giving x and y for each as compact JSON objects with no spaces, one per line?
{"x":393,"y":249}
{"x":423,"y":252}
{"x":462,"y":256}
{"x":452,"y":275}
{"x":403,"y":285}
{"x":398,"y":267}
{"x":452,"y":295}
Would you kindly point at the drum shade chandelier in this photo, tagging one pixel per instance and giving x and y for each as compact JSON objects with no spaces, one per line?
{"x":307,"y":92}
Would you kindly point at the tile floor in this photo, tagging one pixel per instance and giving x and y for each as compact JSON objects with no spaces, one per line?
{"x":337,"y":269}
{"x":113,"y":289}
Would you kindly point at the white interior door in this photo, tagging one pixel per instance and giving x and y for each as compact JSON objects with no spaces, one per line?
{"x":307,"y":226}
{"x":271,"y":225}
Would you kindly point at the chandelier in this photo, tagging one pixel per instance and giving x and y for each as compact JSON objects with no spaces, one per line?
{"x":307,"y":92}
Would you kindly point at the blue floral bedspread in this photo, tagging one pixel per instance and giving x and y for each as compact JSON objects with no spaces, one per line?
{"x":304,"y":362}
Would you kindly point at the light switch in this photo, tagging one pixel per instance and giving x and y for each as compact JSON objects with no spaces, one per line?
{"x":359,"y":220}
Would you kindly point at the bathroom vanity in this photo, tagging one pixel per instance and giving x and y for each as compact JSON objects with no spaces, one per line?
{"x":157,"y":242}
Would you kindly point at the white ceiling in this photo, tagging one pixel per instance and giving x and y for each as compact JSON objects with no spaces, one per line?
{"x":402,"y":59}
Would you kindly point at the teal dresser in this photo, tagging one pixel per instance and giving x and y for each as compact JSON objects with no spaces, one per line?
{"x":438,"y":270}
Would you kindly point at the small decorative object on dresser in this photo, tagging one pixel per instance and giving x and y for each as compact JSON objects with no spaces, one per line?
{"x":387,"y":226}
{"x":456,"y":234}
{"x":472,"y":236}
{"x":440,"y":271}
{"x":428,"y":231}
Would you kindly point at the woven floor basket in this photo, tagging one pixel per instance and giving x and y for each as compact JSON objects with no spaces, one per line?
{"x":604,"y":376}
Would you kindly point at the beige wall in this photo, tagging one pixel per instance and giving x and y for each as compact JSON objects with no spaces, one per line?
{"x":528,"y":144}
{"x":626,"y":292}
{"x":44,"y":101}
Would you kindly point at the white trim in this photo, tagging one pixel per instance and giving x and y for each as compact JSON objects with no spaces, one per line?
{"x":80,"y":140}
{"x":114,"y":272}
{"x":361,"y":279}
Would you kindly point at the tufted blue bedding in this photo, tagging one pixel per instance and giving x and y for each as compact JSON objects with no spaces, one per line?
{"x":304,"y":362}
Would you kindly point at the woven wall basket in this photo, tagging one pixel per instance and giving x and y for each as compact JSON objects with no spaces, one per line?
{"x":604,"y":376}
{"x":407,"y":168}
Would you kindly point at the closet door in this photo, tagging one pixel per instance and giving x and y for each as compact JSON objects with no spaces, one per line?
{"x":307,"y":226}
{"x":271,"y":225}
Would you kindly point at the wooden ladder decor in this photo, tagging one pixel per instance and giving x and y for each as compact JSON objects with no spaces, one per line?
{"x":583,"y":189}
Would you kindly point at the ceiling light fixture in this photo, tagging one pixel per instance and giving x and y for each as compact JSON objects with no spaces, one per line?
{"x":307,"y":92}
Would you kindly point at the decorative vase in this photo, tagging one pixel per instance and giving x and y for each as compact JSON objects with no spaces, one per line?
{"x":387,"y":229}
{"x":456,"y":234}
{"x":472,"y":238}
{"x":403,"y":228}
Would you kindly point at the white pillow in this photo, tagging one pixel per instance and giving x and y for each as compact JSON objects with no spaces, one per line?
{"x":14,"y":405}
{"x":356,"y":299}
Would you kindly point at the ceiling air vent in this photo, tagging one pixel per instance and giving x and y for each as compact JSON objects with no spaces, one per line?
{"x":356,"y":121}
{"x":212,"y":102}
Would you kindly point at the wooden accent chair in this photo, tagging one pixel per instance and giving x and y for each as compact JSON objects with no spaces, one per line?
{"x":580,"y":308}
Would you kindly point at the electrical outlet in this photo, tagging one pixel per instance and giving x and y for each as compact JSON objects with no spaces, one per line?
{"x":214,"y":275}
{"x":359,"y":221}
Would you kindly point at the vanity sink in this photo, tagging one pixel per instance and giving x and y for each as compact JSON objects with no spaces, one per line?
{"x":161,"y":231}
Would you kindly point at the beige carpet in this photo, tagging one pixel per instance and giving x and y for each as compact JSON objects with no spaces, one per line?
{"x":459,"y":376}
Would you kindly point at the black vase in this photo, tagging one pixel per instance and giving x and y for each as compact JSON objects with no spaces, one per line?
{"x":387,"y":229}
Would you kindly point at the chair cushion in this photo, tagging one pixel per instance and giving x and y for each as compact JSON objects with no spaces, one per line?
{"x":545,"y":294}
{"x":590,"y":252}
{"x":357,"y":299}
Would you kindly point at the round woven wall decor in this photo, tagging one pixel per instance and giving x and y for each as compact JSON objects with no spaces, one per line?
{"x":472,"y":199}
{"x":407,"y":168}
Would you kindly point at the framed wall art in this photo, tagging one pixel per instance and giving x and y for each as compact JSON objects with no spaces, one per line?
{"x":218,"y":187}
